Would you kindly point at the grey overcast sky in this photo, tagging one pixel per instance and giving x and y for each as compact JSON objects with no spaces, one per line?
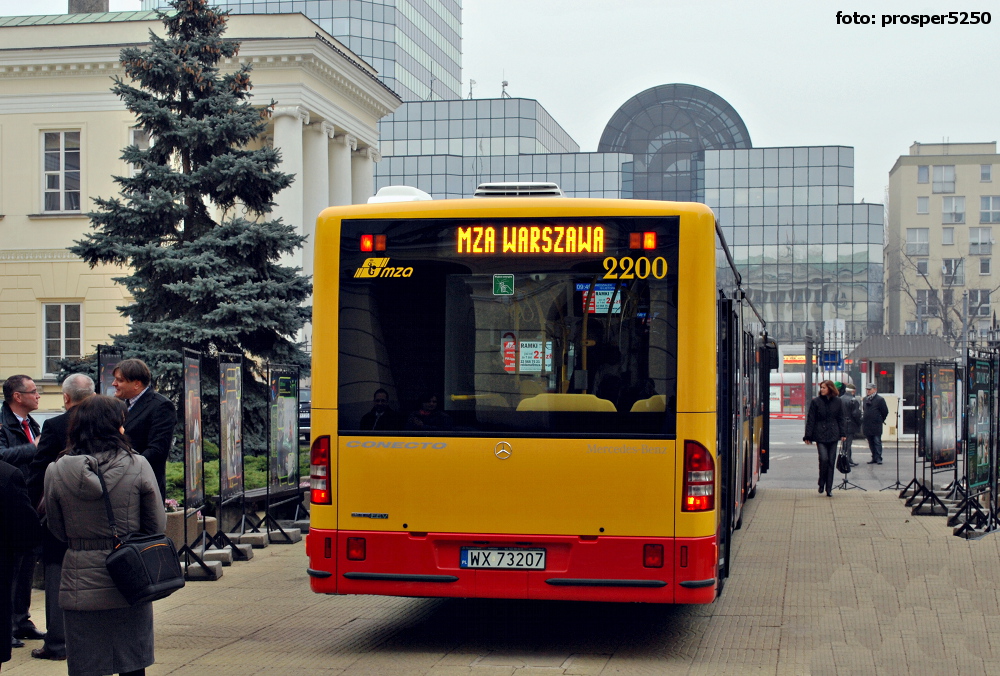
{"x":793,"y":74}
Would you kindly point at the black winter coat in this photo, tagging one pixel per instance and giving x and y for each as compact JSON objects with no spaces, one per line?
{"x":825,"y":422}
{"x":14,"y":445}
{"x":873,"y":416}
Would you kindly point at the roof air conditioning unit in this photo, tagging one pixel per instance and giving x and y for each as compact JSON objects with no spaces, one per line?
{"x":525,"y":189}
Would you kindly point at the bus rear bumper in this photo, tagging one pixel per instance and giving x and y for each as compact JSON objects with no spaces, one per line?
{"x":581,"y":568}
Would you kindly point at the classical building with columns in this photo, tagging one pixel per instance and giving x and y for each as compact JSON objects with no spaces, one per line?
{"x":61,"y":135}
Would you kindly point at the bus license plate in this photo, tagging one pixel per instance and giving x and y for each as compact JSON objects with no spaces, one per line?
{"x":503,"y":558}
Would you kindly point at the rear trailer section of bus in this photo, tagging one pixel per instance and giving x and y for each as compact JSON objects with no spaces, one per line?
{"x":500,"y":407}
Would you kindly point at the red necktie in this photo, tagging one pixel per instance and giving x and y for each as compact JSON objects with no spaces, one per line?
{"x":27,"y":430}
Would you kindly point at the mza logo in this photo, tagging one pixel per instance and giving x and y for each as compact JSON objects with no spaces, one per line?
{"x":379,"y":267}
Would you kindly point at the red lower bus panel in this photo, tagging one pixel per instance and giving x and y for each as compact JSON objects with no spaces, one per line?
{"x":577,"y":568}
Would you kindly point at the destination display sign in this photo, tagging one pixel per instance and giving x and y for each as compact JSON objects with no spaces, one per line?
{"x":530,"y":239}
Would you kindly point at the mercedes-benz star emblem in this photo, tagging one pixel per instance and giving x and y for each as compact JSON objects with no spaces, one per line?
{"x":503,"y":450}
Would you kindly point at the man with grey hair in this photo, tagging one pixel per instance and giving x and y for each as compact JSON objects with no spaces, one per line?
{"x":75,"y":389}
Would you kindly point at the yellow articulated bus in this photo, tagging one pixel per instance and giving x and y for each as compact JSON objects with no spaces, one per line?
{"x":533,"y":398}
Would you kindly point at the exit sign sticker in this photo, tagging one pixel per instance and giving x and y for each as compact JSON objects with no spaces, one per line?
{"x":503,"y":285}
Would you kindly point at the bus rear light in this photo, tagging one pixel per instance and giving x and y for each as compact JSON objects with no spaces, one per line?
{"x":699,"y":478}
{"x":356,"y":549}
{"x":367,"y":242}
{"x":649,"y":240}
{"x":652,"y":556}
{"x":319,"y":472}
{"x":684,"y":556}
{"x":379,"y":242}
{"x":635,"y":240}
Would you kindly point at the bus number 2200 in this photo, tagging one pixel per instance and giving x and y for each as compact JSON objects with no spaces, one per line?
{"x":634,"y":268}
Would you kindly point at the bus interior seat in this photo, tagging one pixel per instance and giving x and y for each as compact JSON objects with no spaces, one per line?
{"x":551,"y":401}
{"x":655,"y":404}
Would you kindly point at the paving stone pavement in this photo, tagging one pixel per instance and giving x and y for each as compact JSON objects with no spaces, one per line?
{"x":846,"y":585}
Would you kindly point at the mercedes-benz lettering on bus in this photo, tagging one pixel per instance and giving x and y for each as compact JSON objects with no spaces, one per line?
{"x":542,"y":398}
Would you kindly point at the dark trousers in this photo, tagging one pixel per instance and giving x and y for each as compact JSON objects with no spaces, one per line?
{"x":55,"y":631}
{"x":827,"y":460}
{"x":875,"y":443}
{"x":24,"y":571}
{"x":846,"y":447}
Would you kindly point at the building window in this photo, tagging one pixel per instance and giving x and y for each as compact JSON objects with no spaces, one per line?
{"x":944,"y":178}
{"x":953,"y":272}
{"x":923,"y":174}
{"x":984,"y":266}
{"x":985,"y":173}
{"x":979,"y":302}
{"x":953,"y":210}
{"x":917,"y":241}
{"x":920,"y":327}
{"x":62,"y":334}
{"x":947,"y":236}
{"x":922,"y":266}
{"x":885,"y":377}
{"x":140,"y":139}
{"x":989,"y":209}
{"x":927,"y":303}
{"x":61,"y":159}
{"x":923,"y":205}
{"x":980,"y":241}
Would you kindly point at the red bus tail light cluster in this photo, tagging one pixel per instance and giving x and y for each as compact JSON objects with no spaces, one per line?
{"x":356,"y":549}
{"x":652,"y":556}
{"x":319,"y":472}
{"x":699,"y":478}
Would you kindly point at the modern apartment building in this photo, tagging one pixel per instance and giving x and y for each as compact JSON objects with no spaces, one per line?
{"x":414,"y":45}
{"x":944,"y":208}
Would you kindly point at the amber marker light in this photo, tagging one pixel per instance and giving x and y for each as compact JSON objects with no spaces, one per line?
{"x":649,"y":240}
{"x":367,"y":242}
{"x":379,"y":242}
{"x":635,"y":240}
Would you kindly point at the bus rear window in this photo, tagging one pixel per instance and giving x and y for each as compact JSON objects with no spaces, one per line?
{"x":468,"y":339}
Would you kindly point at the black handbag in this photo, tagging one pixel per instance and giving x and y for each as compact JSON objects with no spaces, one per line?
{"x":843,"y":464}
{"x":143,"y":567}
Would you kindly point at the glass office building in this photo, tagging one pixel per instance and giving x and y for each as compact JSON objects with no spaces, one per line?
{"x":447,"y":148}
{"x":415,"y":45}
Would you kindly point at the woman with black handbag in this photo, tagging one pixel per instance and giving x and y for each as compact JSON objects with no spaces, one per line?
{"x":826,"y":426}
{"x":104,"y":634}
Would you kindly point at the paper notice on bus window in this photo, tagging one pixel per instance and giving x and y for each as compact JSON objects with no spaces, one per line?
{"x":509,"y":340}
{"x":536,"y":356}
{"x":601,"y":300}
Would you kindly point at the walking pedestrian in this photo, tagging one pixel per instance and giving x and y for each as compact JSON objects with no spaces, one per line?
{"x":104,"y":634}
{"x":825,"y":425}
{"x":872,"y":418}
{"x":852,"y":410}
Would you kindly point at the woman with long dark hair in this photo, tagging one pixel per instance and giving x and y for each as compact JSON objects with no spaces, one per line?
{"x":104,"y":634}
{"x":825,"y":425}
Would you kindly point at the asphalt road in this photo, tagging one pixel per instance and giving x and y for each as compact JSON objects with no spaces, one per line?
{"x":796,"y":465}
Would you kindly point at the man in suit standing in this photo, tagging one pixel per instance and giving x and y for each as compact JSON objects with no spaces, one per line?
{"x":18,"y":435}
{"x":19,"y":532}
{"x":151,"y":417}
{"x":75,"y":389}
{"x":872,"y":418}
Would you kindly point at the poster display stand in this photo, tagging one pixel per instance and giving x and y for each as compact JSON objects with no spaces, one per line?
{"x":194,"y":469}
{"x":938,"y":435}
{"x":231,"y":469}
{"x":108,"y":357}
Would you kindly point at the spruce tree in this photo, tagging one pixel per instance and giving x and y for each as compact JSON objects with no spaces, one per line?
{"x":200,"y":282}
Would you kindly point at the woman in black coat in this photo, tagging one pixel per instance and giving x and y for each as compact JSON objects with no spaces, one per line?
{"x":825,"y":425}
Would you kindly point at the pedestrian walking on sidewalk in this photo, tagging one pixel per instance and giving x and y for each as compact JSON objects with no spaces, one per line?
{"x":872,"y":418}
{"x":827,"y":427}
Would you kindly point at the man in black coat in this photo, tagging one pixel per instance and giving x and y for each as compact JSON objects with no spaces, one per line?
{"x":151,"y":417}
{"x":381,"y":417}
{"x":75,"y":389}
{"x":852,"y":415}
{"x":18,"y":436}
{"x":873,"y":416}
{"x":19,"y":533}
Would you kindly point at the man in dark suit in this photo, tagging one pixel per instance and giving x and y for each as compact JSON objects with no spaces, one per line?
{"x":872,"y":419}
{"x":18,"y":436}
{"x":19,"y":532}
{"x":75,"y":388}
{"x":151,"y":417}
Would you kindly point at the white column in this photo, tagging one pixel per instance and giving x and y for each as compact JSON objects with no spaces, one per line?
{"x":288,"y":121}
{"x":340,"y":169}
{"x":363,"y":174}
{"x":315,"y":184}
